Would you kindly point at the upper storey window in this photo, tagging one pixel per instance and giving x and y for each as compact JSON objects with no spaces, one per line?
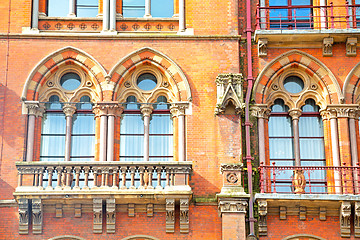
{"x":159,"y":8}
{"x":83,"y":8}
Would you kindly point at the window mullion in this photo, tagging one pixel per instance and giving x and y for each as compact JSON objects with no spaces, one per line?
{"x":72,"y":7}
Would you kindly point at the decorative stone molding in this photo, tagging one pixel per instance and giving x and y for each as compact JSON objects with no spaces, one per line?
{"x":69,"y":109}
{"x":342,"y":110}
{"x":170,"y":215}
{"x":302,"y":213}
{"x":107,"y":108}
{"x":282,"y":213}
{"x":131,"y":210}
{"x":328,"y":46}
{"x":322,"y":214}
{"x":34,"y":108}
{"x":262,"y":204}
{"x":178,"y":109}
{"x":295,"y":113}
{"x":231,"y":174}
{"x":58,"y":210}
{"x":357,"y":220}
{"x":345,"y":214}
{"x":184,"y":215}
{"x":351,"y":47}
{"x":115,"y":109}
{"x":232,"y":206}
{"x":150,"y":210}
{"x":299,"y":181}
{"x":229,"y":89}
{"x":146,"y":110}
{"x":23,"y":216}
{"x":110,"y":215}
{"x":97,"y":208}
{"x":262,"y":47}
{"x":260,"y":111}
{"x":37,"y":216}
{"x":78,"y":210}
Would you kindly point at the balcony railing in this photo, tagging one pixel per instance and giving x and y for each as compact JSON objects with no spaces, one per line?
{"x":90,"y":176}
{"x":316,"y":179}
{"x":308,"y":17}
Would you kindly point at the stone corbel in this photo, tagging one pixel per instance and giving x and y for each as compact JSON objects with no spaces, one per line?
{"x":357,"y":220}
{"x":351,"y":47}
{"x":131,"y":210}
{"x":58,"y":210}
{"x":150,"y":210}
{"x":184,"y":215}
{"x":170,"y":215}
{"x":282,"y":213}
{"x":302,"y":213}
{"x":345,"y":214}
{"x":262,"y":204}
{"x":37,"y":216}
{"x":23,"y":216}
{"x":78,"y":210}
{"x":110,"y":215}
{"x":328,"y":47}
{"x":322,"y":214}
{"x":229,"y":89}
{"x":262,"y":47}
{"x":97,"y":208}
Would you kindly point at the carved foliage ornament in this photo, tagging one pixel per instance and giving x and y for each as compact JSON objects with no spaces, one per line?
{"x":357,"y":219}
{"x":23,"y":216}
{"x":229,"y":89}
{"x":37,"y":216}
{"x":232,"y":206}
{"x":328,"y":47}
{"x":262,"y":204}
{"x":170,"y":215}
{"x":345,"y":214}
{"x":262,"y":47}
{"x":184,"y":215}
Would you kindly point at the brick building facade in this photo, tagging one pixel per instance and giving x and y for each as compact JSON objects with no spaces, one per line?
{"x":179,"y":119}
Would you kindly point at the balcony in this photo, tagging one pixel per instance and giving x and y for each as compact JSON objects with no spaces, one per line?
{"x":312,"y":179}
{"x":118,"y":180}
{"x":312,"y":21}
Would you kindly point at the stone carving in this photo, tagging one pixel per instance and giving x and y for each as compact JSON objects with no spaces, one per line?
{"x":322,"y":214}
{"x":97,"y":208}
{"x":107,"y":108}
{"x":345,"y":214}
{"x":232,"y":206}
{"x":78,"y":210}
{"x":262,"y":204}
{"x":357,"y":220}
{"x":282,"y":213}
{"x":131,"y":210}
{"x":351,"y":47}
{"x":262,"y":47}
{"x":260,"y":111}
{"x":327,"y":47}
{"x":37,"y":216}
{"x":178,"y":109}
{"x":229,"y":89}
{"x":231,"y":178}
{"x":150,"y":210}
{"x":302,"y":213}
{"x":69,"y":109}
{"x":295,"y":114}
{"x":170,"y":215}
{"x":184,"y":215}
{"x":299,"y":181}
{"x":110,"y":215}
{"x":146,"y":110}
{"x":23,"y":216}
{"x":231,"y":174}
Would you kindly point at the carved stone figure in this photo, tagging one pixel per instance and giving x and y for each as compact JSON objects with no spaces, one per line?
{"x":327,"y":47}
{"x":299,"y":181}
{"x":351,"y":47}
{"x":345,"y":214}
{"x":262,"y":47}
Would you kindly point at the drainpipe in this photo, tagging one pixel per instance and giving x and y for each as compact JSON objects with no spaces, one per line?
{"x":247,"y":122}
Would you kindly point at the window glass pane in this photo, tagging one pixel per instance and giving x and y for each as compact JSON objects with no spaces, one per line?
{"x":52,"y":146}
{"x":293,"y":84}
{"x":279,"y":106}
{"x":58,"y":8}
{"x":88,"y":2}
{"x":161,"y":124}
{"x":312,"y":149}
{"x":70,"y":81}
{"x":161,"y":146}
{"x":310,"y":127}
{"x":162,"y":103}
{"x":133,"y":8}
{"x":83,"y":124}
{"x":131,"y":103}
{"x":131,"y":138}
{"x":146,"y":81}
{"x":280,"y":127}
{"x":281,"y":148}
{"x":310,"y":106}
{"x":162,"y":8}
{"x":301,"y":2}
{"x":132,"y":124}
{"x":53,"y":103}
{"x":131,"y":146}
{"x":278,"y":2}
{"x":82,"y":146}
{"x":86,"y":11}
{"x":53,"y":123}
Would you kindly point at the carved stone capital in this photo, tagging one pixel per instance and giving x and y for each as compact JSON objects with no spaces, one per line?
{"x":295,"y":113}
{"x":328,"y":46}
{"x":178,"y":109}
{"x":262,"y":204}
{"x":34,"y":108}
{"x":260,"y":111}
{"x":229,"y":89}
{"x":345,"y":214}
{"x":351,"y":47}
{"x":69,"y":109}
{"x":262,"y":47}
{"x":146,"y":110}
{"x":114,"y":109}
{"x":343,"y":111}
{"x":100,"y":109}
{"x":232,"y":206}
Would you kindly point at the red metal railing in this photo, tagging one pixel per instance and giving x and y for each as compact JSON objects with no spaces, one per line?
{"x":319,"y":179}
{"x":308,"y":17}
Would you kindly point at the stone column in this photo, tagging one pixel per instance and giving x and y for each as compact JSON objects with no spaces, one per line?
{"x":295,"y":114}
{"x":106,"y":13}
{"x":100,"y":110}
{"x":112,"y":15}
{"x":147,"y":9}
{"x":72,"y":7}
{"x":69,"y":111}
{"x":35,"y":15}
{"x":34,"y":110}
{"x":353,"y":115}
{"x":262,"y":113}
{"x":182,"y":22}
{"x":146,"y":110}
{"x":114,"y":111}
{"x":178,"y":110}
